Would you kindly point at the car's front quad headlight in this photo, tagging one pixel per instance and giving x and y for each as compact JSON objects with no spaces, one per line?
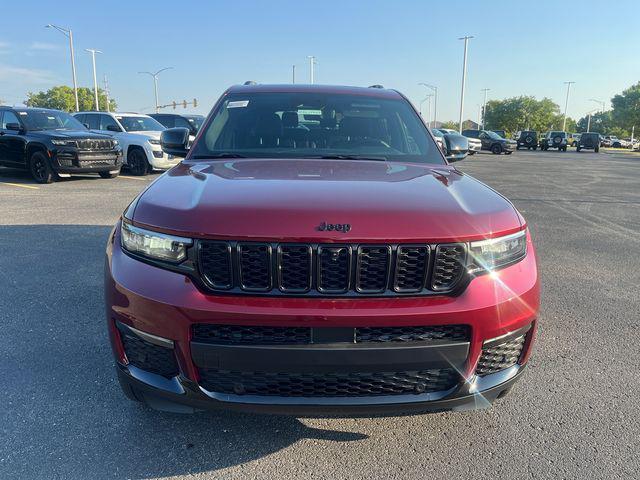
{"x":154,"y":245}
{"x":489,"y":255}
{"x":154,"y":142}
{"x":61,"y":142}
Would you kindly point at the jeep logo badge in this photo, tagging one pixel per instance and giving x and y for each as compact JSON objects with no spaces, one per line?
{"x":338,"y":227}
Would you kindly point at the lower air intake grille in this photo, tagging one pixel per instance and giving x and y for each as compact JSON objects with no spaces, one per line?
{"x":457,"y":333}
{"x":500,"y":357}
{"x":328,"y":384}
{"x":250,"y":335}
{"x":149,"y":357}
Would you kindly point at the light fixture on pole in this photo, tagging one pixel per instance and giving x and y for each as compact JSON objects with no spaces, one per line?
{"x":93,"y":52}
{"x":69,"y":34}
{"x":435,"y":102}
{"x":566,"y":104}
{"x":484,"y":105}
{"x":312,"y":63}
{"x":155,"y":84}
{"x":464,"y":79}
{"x":598,"y":101}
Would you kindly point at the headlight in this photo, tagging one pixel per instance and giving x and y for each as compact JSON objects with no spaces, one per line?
{"x":115,"y":142}
{"x":153,"y":141}
{"x":56,"y":141}
{"x":488,"y":255}
{"x":154,"y":245}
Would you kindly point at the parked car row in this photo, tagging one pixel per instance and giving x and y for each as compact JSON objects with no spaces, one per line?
{"x":52,"y":144}
{"x":491,"y":141}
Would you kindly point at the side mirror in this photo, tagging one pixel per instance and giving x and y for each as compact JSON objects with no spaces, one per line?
{"x":14,"y":126}
{"x":456,"y":148}
{"x":86,"y":125}
{"x":175,"y":141}
{"x":113,"y":128}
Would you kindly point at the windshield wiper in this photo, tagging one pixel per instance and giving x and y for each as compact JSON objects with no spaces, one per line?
{"x":218,"y":155}
{"x":352,"y":157}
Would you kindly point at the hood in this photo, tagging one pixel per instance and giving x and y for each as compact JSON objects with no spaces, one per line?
{"x":150,"y":134}
{"x":269,"y":199}
{"x":75,"y":134}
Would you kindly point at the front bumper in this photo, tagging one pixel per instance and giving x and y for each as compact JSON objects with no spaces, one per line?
{"x":163,"y":308}
{"x":475,"y":147}
{"x":158,"y":159}
{"x":71,"y":160}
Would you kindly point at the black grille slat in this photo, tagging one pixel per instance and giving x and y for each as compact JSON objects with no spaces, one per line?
{"x":334,"y":269}
{"x":448,"y":266}
{"x":373,"y":269}
{"x":255,"y":266}
{"x":215,"y":264}
{"x":453,"y":333}
{"x":250,"y":335}
{"x":95,"y":144}
{"x":295,"y":268}
{"x":358,"y":384}
{"x":411,"y":268}
{"x":149,"y":357}
{"x":500,"y":357}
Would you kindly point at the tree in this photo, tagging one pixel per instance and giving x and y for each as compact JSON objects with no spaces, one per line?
{"x":62,"y":98}
{"x":450,"y":124}
{"x":626,"y":108}
{"x":602,"y":122}
{"x":523,"y":113}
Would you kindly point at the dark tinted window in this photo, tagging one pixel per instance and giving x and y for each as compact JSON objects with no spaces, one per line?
{"x":93,"y":121}
{"x":106,"y":120}
{"x":182,"y":122}
{"x":311,"y":125}
{"x":471,"y":133}
{"x":166,"y":120}
{"x":49,"y":120}
{"x":8,"y":117}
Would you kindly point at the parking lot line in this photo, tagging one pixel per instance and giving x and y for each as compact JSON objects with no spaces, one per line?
{"x":20,"y":185}
{"x":132,"y":178}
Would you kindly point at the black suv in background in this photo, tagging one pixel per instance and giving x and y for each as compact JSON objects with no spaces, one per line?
{"x":51,"y":144}
{"x":589,"y":140}
{"x":172,"y":120}
{"x":527,"y":139}
{"x":554,"y":140}
{"x":492,"y":141}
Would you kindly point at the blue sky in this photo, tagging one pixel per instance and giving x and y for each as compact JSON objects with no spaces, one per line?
{"x":518,"y":48}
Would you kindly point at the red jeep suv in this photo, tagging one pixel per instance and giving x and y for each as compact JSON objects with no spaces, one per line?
{"x":316,"y":254}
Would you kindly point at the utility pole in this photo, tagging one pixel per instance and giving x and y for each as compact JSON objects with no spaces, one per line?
{"x":566,"y":104}
{"x":435,"y":102}
{"x":312,"y":62}
{"x":293,"y":74}
{"x":106,"y":90}
{"x":69,"y":34}
{"x":484,"y":105}
{"x":589,"y":119}
{"x":93,"y":52}
{"x":155,"y":84}
{"x":464,"y":79}
{"x":598,"y":101}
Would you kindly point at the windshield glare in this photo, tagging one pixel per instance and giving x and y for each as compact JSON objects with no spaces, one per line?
{"x":494,"y":135}
{"x":140,"y":124}
{"x":312,"y":125}
{"x":49,"y":120}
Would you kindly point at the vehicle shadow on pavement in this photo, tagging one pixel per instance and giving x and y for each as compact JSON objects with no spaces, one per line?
{"x":63,"y":415}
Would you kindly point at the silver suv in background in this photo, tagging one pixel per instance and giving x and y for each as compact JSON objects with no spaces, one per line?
{"x":139,"y":136}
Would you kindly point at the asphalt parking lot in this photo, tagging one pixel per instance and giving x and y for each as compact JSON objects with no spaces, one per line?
{"x":574,"y":415}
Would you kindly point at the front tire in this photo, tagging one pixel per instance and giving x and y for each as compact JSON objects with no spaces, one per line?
{"x":137,"y":162}
{"x":597,"y":149}
{"x":40,"y":168}
{"x":496,"y":149}
{"x":578,"y":149}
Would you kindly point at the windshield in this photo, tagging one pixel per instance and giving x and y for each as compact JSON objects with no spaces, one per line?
{"x":195,"y":121}
{"x":49,"y":120}
{"x":558,"y":134}
{"x":315,"y":125}
{"x":140,"y":124}
{"x":494,"y":135}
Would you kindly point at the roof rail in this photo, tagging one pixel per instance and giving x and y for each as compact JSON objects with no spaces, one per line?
{"x":376,"y":86}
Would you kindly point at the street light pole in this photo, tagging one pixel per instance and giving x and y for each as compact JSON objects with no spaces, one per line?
{"x":93,"y":52}
{"x":155,"y":84}
{"x":464,"y":79}
{"x":69,"y":34}
{"x":589,"y":119}
{"x":312,"y":62}
{"x":106,"y":90}
{"x":598,"y":101}
{"x":566,"y":104}
{"x":293,"y":74}
{"x":484,"y":105}
{"x":435,"y":102}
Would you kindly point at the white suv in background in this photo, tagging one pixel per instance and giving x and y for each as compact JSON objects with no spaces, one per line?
{"x":139,"y":136}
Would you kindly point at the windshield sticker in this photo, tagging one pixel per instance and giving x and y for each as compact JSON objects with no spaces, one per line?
{"x":238,"y":104}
